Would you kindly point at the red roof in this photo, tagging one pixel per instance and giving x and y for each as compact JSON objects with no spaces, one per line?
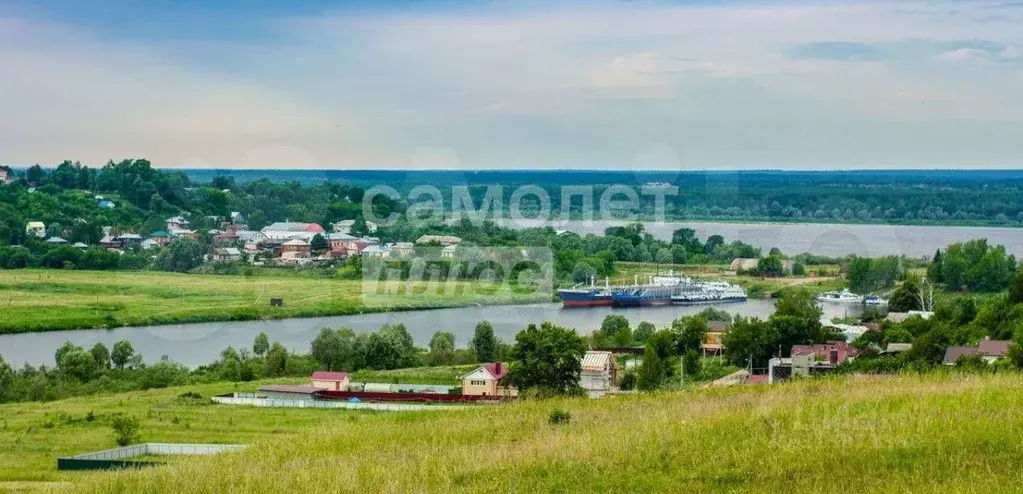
{"x":314,"y":228}
{"x":845,"y":350}
{"x":329,"y":376}
{"x":496,"y":369}
{"x":994,"y":348}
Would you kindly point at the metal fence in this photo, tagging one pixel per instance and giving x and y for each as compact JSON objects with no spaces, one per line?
{"x":122,"y":457}
{"x":247,"y":399}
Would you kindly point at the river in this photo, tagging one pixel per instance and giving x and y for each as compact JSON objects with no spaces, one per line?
{"x":198,"y":344}
{"x":819,"y":238}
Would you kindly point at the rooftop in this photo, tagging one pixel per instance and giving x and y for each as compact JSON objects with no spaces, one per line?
{"x":329,"y":376}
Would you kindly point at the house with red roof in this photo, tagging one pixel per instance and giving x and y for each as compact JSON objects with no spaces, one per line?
{"x":488,"y":380}
{"x":987,"y":350}
{"x":333,"y":381}
{"x":832,"y":352}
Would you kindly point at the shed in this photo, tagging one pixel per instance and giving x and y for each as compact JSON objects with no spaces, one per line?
{"x":334,"y":381}
{"x":599,"y":371}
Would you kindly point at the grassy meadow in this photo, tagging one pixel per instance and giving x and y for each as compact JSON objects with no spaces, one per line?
{"x":941,"y":432}
{"x":40,"y":299}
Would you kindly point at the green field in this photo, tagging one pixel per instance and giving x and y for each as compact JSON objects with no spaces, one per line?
{"x":40,"y":299}
{"x":909,"y":433}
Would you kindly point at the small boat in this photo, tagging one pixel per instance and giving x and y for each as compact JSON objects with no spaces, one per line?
{"x":875,"y":301}
{"x":842,"y":297}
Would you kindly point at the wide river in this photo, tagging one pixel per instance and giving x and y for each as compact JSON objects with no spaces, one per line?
{"x":198,"y":344}
{"x":819,"y":238}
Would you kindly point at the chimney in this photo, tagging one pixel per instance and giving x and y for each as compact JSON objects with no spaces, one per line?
{"x":497,"y":368}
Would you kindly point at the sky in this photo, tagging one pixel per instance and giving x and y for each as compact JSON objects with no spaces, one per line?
{"x":659,"y":84}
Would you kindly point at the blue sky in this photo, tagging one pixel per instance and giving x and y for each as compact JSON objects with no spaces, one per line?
{"x":685,"y":85}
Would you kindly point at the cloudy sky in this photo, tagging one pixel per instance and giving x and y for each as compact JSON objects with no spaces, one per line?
{"x":788,"y":84}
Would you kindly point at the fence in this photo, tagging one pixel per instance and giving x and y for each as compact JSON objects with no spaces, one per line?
{"x":121,"y":457}
{"x":249,"y":400}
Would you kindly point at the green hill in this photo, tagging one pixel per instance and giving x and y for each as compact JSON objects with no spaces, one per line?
{"x":930,"y":433}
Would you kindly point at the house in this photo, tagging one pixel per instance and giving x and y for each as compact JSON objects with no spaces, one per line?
{"x":160,"y":237}
{"x":149,"y":244}
{"x":37,"y":228}
{"x":130,"y":240}
{"x":341,"y":241}
{"x":177,"y":223}
{"x":56,"y":240}
{"x":953,"y":353}
{"x":374,"y":251}
{"x":345,"y":226}
{"x":80,"y":245}
{"x":333,"y":381}
{"x":486,"y":381}
{"x":401,"y":249}
{"x":599,"y":372}
{"x":237,"y":218}
{"x":285,"y":392}
{"x":110,"y":242}
{"x":992,"y":350}
{"x":444,"y":240}
{"x":832,"y":352}
{"x":808,"y":360}
{"x":295,"y":249}
{"x":449,"y":251}
{"x":295,"y":227}
{"x":230,"y":254}
{"x":181,"y":232}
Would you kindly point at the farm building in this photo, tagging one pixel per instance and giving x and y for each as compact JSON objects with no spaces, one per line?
{"x":599,"y":371}
{"x":285,"y":392}
{"x":334,"y":381}
{"x":486,"y":381}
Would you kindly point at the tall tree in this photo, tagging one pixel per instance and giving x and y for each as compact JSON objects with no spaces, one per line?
{"x":484,"y":343}
{"x":547,"y":358}
{"x":101,"y":355}
{"x":442,"y":348}
{"x":261,"y":345}
{"x":651,"y":371}
{"x":122,"y":353}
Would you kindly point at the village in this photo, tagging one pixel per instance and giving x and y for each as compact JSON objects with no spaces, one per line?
{"x":281,"y":243}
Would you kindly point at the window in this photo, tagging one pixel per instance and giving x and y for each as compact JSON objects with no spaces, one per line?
{"x":477,"y":383}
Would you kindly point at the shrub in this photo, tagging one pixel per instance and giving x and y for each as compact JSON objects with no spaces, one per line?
{"x":559,"y":417}
{"x":628,"y":381}
{"x":126,"y":429}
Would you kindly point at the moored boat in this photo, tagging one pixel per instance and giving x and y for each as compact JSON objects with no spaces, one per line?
{"x":842,"y":297}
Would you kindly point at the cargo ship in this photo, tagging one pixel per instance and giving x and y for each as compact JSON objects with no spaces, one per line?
{"x":657,"y":291}
{"x":591,"y":296}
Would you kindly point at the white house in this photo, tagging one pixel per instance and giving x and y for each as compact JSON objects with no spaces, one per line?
{"x":449,"y":251}
{"x":37,"y":228}
{"x":401,"y":249}
{"x":374,"y":251}
{"x":345,"y":226}
{"x":177,"y":223}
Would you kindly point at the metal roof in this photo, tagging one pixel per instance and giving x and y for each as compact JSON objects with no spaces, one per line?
{"x":597,"y":361}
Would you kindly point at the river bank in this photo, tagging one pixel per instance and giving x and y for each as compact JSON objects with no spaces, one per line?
{"x":36,"y":300}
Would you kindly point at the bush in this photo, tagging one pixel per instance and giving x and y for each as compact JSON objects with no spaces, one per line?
{"x":126,"y":429}
{"x":628,"y":381}
{"x":559,"y":417}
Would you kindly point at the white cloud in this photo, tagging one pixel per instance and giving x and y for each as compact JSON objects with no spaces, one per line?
{"x":510,"y":85}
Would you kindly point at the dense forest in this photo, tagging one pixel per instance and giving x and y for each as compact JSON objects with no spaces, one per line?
{"x":899,"y":197}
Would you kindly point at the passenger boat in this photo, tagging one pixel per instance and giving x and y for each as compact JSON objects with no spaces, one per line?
{"x":710,"y":293}
{"x":842,"y":297}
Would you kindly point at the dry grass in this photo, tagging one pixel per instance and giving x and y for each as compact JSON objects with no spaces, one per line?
{"x":910,"y":433}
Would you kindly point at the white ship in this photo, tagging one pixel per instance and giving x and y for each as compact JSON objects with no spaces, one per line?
{"x":709,"y":293}
{"x":842,"y":297}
